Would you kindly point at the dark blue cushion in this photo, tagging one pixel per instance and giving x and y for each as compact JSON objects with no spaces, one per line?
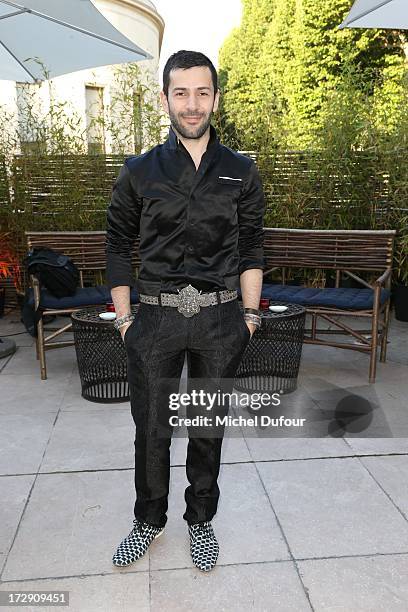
{"x":341,"y":297}
{"x":86,"y":296}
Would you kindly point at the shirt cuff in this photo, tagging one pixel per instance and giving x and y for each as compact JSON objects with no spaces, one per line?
{"x":252,"y":264}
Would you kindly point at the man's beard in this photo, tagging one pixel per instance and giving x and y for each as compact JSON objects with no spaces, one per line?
{"x":193,"y":132}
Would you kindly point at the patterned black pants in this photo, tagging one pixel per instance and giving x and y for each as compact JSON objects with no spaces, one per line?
{"x":156,"y":343}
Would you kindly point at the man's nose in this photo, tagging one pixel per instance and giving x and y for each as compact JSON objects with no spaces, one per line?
{"x":193,"y":104}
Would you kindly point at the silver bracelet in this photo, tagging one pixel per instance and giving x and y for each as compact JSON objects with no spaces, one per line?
{"x":253,"y":318}
{"x":122,"y":320}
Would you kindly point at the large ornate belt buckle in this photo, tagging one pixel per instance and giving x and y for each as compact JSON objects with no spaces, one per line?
{"x":189,"y":302}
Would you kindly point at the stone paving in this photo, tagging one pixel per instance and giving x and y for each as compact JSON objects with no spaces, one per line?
{"x":316,"y":520}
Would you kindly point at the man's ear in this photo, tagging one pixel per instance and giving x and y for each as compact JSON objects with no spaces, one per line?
{"x":164,"y":102}
{"x":216,"y":101}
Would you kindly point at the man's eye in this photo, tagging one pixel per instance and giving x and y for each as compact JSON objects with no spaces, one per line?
{"x":204,"y":93}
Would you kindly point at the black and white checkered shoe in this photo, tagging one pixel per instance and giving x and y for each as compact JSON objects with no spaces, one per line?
{"x":136,"y":543}
{"x":203,"y":545}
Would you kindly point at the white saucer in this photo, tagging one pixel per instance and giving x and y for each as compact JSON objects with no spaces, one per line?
{"x":107,"y":316}
{"x":278,"y":308}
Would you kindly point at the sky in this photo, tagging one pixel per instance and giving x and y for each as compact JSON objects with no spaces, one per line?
{"x":199,"y":25}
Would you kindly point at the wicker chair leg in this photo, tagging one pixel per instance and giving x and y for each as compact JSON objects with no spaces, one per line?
{"x":383,"y":352}
{"x":41,"y":349}
{"x":374,"y":335}
{"x":373,"y":362}
{"x":38,"y":341}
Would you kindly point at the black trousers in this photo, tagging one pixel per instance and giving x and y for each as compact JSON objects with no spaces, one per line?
{"x":156,"y":343}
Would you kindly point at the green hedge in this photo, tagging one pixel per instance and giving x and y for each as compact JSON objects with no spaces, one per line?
{"x":360,"y":190}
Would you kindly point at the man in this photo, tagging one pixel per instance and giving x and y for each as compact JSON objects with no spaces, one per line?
{"x":198,"y":208}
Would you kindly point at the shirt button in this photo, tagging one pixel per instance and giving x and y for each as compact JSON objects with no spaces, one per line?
{"x":190,"y":249}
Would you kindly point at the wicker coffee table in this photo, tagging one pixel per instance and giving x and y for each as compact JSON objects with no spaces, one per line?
{"x":272,"y":358}
{"x":101,"y":356}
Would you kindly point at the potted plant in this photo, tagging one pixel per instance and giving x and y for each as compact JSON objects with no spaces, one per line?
{"x":9,"y":267}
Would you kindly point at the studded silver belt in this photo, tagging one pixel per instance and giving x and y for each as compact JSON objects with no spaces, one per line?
{"x":189,"y":300}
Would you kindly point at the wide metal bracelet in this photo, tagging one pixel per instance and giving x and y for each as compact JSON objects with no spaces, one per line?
{"x":254,"y":311}
{"x":254,"y":319}
{"x":122,"y":320}
{"x":253,"y":323}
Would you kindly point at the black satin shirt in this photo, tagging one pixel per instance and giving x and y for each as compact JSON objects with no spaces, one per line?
{"x":201,"y":227}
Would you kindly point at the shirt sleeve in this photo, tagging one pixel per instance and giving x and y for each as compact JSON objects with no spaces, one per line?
{"x":251,"y":209}
{"x":122,"y":228}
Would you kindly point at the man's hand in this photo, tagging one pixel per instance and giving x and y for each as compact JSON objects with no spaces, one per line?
{"x":121,"y":300}
{"x":123,"y":329}
{"x":251,"y":287}
{"x":251,"y":327}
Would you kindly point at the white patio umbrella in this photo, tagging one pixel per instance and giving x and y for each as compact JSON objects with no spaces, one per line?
{"x":65,"y":36}
{"x":387,"y":14}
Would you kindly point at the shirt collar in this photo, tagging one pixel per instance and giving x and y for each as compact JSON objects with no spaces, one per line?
{"x":173,"y":142}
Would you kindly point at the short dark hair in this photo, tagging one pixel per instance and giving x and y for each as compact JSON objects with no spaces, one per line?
{"x":187,"y":59}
